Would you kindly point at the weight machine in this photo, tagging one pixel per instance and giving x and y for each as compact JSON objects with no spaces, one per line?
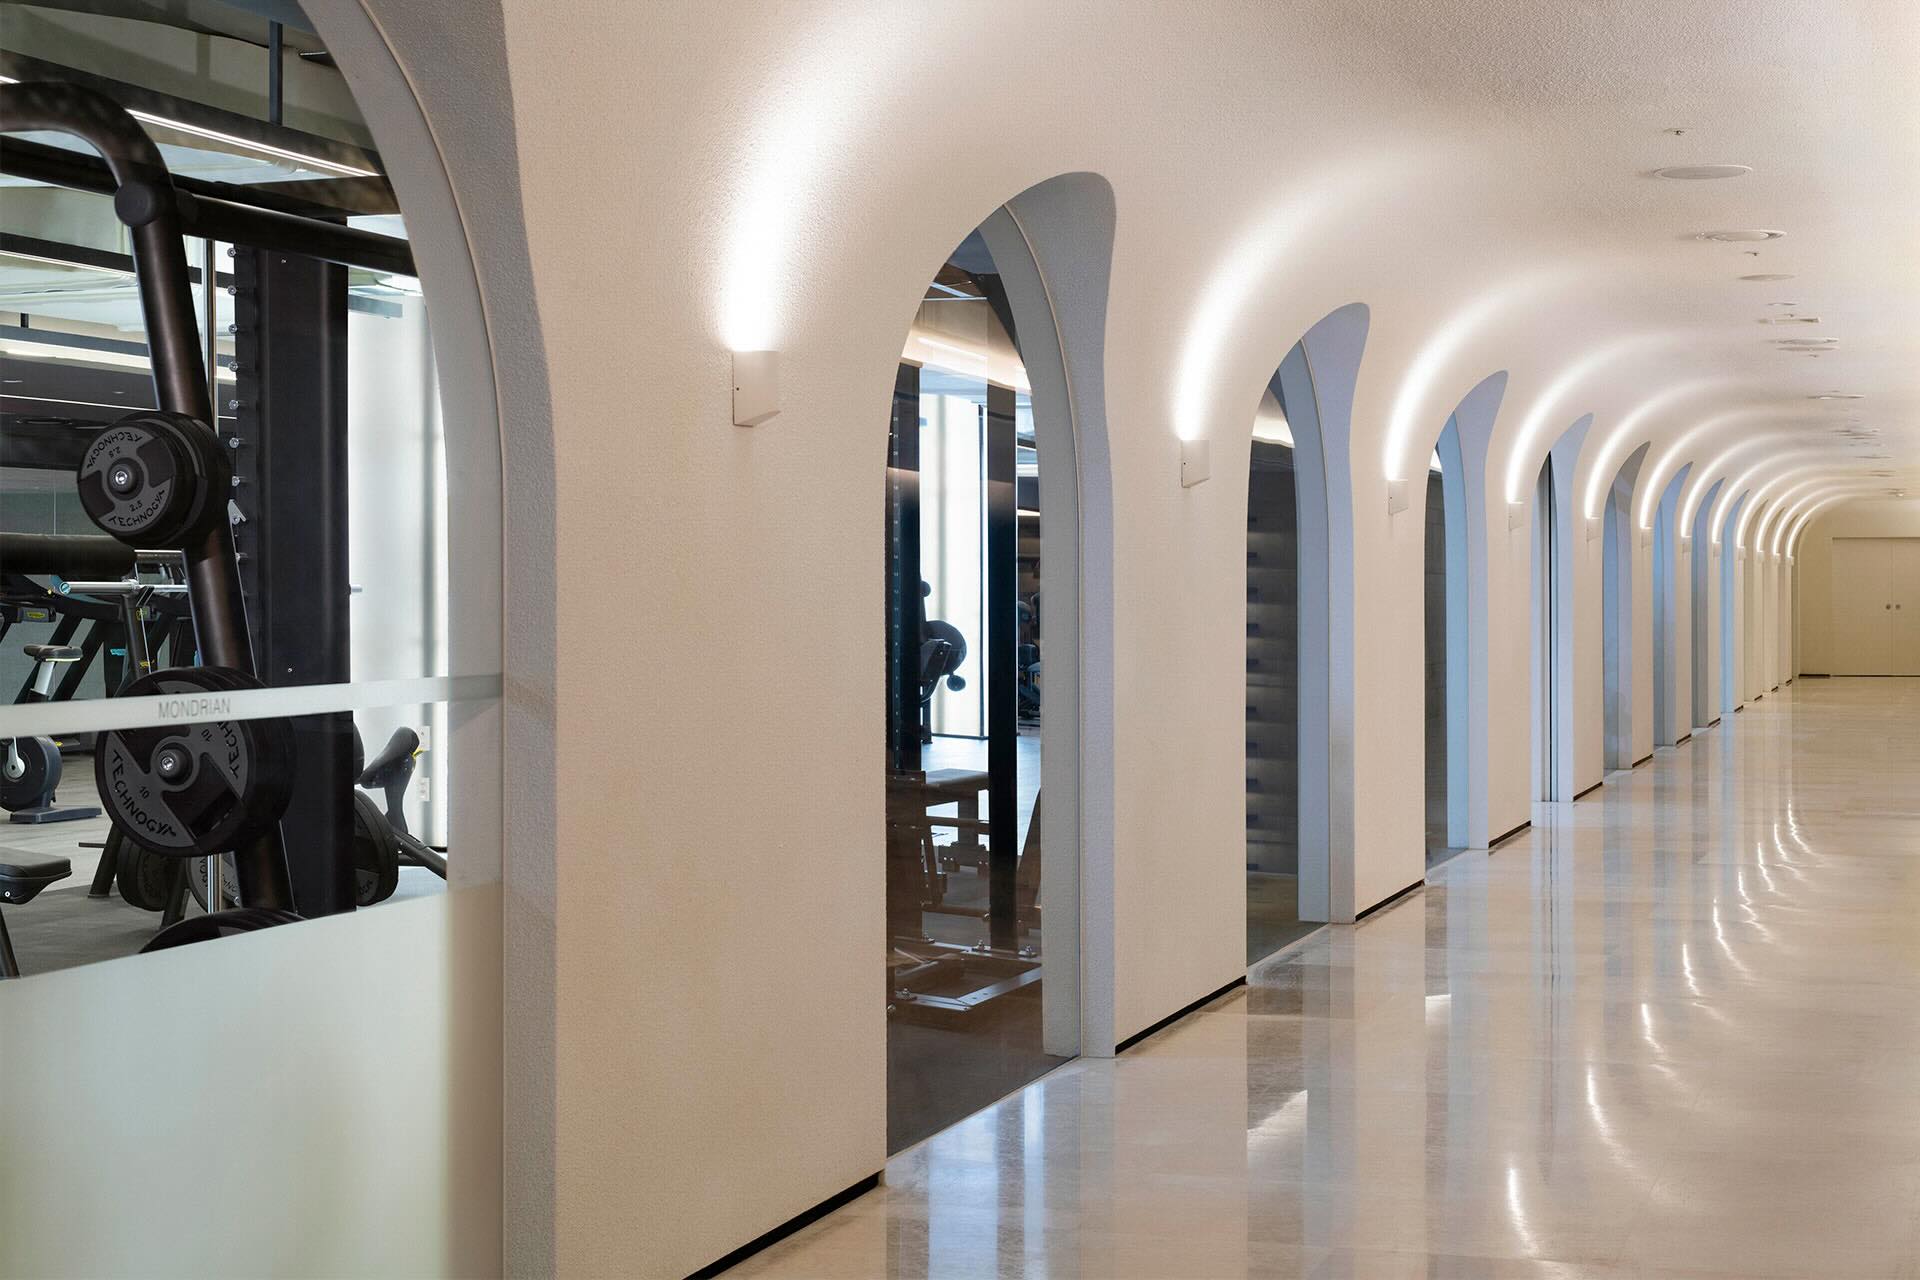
{"x":214,"y":788}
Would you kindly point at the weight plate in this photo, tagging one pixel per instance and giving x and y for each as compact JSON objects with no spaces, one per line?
{"x":142,"y":877}
{"x":201,"y":785}
{"x":376,"y":852}
{"x":39,"y":773}
{"x":154,"y":479}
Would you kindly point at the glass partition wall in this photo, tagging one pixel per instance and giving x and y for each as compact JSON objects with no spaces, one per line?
{"x":1273,"y":691}
{"x":965,"y":706}
{"x":324,"y":474}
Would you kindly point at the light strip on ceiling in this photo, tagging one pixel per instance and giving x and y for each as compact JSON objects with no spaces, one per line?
{"x":299,"y":158}
{"x":73,"y":354}
{"x":62,"y":262}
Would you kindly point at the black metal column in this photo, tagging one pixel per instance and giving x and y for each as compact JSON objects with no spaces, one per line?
{"x":289,"y":418}
{"x":906,"y":607}
{"x":1002,"y":585}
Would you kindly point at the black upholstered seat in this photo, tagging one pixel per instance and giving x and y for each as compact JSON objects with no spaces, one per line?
{"x":22,"y":875}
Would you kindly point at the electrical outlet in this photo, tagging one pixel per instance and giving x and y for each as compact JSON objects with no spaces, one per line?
{"x":426,"y":790}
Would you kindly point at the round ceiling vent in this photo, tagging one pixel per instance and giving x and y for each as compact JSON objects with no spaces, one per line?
{"x":1767,"y":277}
{"x":1703,"y":172}
{"x":1740,"y":236}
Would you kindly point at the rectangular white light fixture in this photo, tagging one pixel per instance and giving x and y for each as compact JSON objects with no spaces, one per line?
{"x":756,"y":387}
{"x":1196,"y":462}
{"x":1397,"y":499}
{"x":1516,"y":516}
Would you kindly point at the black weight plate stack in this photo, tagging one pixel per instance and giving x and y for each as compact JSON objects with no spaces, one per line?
{"x":220,"y":924}
{"x":141,"y":876}
{"x":39,"y":774}
{"x":203,"y":785}
{"x":154,"y":479}
{"x":376,"y":852}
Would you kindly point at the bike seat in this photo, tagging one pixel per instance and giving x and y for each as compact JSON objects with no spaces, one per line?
{"x":22,"y":875}
{"x":53,"y":652}
{"x":399,"y":750}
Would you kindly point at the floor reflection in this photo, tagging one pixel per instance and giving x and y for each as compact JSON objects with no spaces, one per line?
{"x":1670,"y":1032}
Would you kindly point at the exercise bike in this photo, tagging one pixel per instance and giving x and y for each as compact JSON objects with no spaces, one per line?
{"x":32,"y":766}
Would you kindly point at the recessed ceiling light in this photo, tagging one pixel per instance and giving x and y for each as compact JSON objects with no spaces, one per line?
{"x":1806,"y":342}
{"x":1699,"y":172}
{"x":1837,"y":395}
{"x":1767,"y":276}
{"x":1789,"y":319}
{"x":1747,"y":236}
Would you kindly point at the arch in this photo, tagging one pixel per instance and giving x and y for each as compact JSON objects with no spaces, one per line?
{"x":1619,"y":547}
{"x":1668,"y":726}
{"x":1022,"y":308}
{"x":1731,"y":583}
{"x":1556,"y":526}
{"x":1464,"y":445}
{"x":1705,"y":564}
{"x":1315,"y":384}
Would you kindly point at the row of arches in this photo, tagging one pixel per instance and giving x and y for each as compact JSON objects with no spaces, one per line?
{"x":1634,"y":630}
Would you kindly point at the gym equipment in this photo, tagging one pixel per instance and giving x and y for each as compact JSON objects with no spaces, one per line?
{"x":926,"y":977}
{"x":31,"y":770}
{"x":381,"y":842}
{"x":155,"y":479}
{"x":162,"y":477}
{"x":22,"y":877}
{"x":376,"y":852}
{"x":28,"y":778}
{"x":207,"y":786}
{"x":1027,"y":658}
{"x":391,"y":772}
{"x":220,"y":924}
{"x":146,"y":879}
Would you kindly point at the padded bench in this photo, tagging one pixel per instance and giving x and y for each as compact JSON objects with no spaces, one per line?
{"x":22,"y":877}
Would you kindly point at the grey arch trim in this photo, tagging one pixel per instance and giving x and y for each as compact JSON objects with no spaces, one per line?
{"x":1053,"y":244}
{"x":438,"y":99}
{"x":1315,"y":385}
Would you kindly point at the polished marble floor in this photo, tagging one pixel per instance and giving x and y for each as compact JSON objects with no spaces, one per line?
{"x":1674,"y":1031}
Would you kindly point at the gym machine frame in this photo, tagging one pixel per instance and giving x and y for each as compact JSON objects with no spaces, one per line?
{"x":158,"y":211}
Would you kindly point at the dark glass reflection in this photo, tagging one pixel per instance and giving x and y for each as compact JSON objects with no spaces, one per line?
{"x":964,"y":708}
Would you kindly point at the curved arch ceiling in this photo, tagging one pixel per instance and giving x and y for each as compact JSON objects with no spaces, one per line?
{"x":1482,"y":176}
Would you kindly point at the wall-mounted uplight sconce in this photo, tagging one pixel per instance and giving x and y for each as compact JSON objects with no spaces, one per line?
{"x":1593,"y":528}
{"x":756,"y":387}
{"x":1196,"y":463}
{"x":1516,"y":516}
{"x":1397,"y":499}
